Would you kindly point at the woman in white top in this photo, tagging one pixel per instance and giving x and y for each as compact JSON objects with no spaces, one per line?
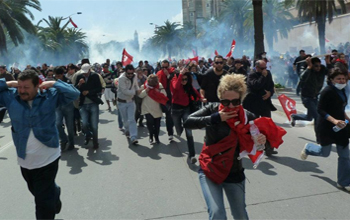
{"x":153,"y":95}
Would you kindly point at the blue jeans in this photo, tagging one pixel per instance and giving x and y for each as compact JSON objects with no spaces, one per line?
{"x":343,"y":159}
{"x":66,"y":111}
{"x":127,"y":111}
{"x":120,"y":120}
{"x":214,"y":197}
{"x":179,"y":117}
{"x":90,"y":117}
{"x":311,"y":106}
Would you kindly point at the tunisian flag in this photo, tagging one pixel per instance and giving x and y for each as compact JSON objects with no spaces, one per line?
{"x":194,"y":59}
{"x":71,"y":21}
{"x":233,"y":45}
{"x":216,"y":53}
{"x":127,"y":58}
{"x":288,"y":105}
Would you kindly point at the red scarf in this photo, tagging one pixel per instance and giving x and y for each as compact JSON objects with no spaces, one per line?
{"x":154,"y":94}
{"x":216,"y":160}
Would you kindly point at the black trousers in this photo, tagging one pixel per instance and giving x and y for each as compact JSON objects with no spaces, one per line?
{"x":153,"y":125}
{"x":169,"y":122}
{"x":41,"y":183}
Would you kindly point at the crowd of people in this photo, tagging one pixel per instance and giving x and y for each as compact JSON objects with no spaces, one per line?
{"x":221,"y":95}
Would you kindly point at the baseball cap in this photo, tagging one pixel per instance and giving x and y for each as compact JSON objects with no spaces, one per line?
{"x":85,"y":68}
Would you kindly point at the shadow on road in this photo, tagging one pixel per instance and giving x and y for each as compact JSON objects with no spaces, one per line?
{"x":3,"y":158}
{"x":104,"y":121}
{"x":326,"y":179}
{"x":306,"y":139}
{"x":101,"y":156}
{"x":264,"y":167}
{"x":295,"y":164}
{"x":74,"y":161}
{"x":284,"y":125}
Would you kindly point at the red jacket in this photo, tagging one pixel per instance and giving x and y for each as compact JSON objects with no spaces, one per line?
{"x":180,"y":97}
{"x":162,"y":77}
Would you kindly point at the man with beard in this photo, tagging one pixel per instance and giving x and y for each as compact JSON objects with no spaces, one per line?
{"x":127,"y":90}
{"x":32,"y":112}
{"x":90,"y":87}
{"x":211,"y":80}
{"x":260,"y":90}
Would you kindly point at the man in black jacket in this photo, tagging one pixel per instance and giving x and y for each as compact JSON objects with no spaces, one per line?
{"x":260,"y":89}
{"x":311,"y":83}
{"x":90,"y":86}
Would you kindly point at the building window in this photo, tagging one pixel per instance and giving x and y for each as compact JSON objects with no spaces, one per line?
{"x":191,"y":14}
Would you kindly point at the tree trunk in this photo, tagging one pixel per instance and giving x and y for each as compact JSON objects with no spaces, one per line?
{"x":321,"y":27}
{"x":258,"y":28}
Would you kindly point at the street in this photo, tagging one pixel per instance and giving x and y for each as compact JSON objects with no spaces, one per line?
{"x":122,"y":181}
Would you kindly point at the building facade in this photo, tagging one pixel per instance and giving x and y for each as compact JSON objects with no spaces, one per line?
{"x":193,"y":11}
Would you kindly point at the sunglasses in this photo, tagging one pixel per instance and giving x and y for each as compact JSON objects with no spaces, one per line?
{"x":184,"y":79}
{"x":262,"y":68}
{"x":226,"y":102}
{"x":130,"y":73}
{"x":219,"y":63}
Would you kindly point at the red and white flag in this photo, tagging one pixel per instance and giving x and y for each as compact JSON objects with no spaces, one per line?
{"x":169,"y":59}
{"x":216,"y":53}
{"x":233,"y":45}
{"x":71,"y":21}
{"x":194,"y":59}
{"x":127,"y":58}
{"x":288,"y":105}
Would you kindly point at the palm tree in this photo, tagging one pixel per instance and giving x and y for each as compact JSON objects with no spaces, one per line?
{"x":13,"y":19}
{"x":258,"y":28}
{"x":167,"y":37}
{"x":234,"y":14}
{"x":65,"y":44}
{"x":277,"y":19}
{"x":319,"y":11}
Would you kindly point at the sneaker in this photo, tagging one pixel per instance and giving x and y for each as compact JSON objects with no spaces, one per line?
{"x":293,"y":121}
{"x":121,"y":129}
{"x":151,"y":140}
{"x":59,"y":202}
{"x":347,"y":188}
{"x":303,"y":154}
{"x":134,"y":141}
{"x":193,"y":160}
{"x":171,"y":137}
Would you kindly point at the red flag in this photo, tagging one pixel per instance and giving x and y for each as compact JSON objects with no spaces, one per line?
{"x":194,"y":53}
{"x":41,"y":79}
{"x":288,"y":105}
{"x":169,"y":59}
{"x":71,"y":21}
{"x":194,"y":59}
{"x":127,"y":58}
{"x":216,"y":53}
{"x":327,"y":41}
{"x":233,"y":45}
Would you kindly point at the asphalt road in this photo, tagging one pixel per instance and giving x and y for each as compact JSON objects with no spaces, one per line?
{"x":122,"y":181}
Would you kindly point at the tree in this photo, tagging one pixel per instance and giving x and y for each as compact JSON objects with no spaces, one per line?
{"x":258,"y":28}
{"x":167,"y":37}
{"x":319,"y":11}
{"x":13,"y":20}
{"x":63,"y":43}
{"x":234,"y":14}
{"x":277,"y":19}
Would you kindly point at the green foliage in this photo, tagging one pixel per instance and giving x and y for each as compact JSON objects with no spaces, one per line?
{"x":13,"y":20}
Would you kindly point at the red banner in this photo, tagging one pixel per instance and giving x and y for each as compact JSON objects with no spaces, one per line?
{"x":288,"y":105}
{"x":71,"y":21}
{"x":233,"y":45}
{"x":127,"y":58}
{"x":194,"y":53}
{"x":195,"y":59}
{"x":216,"y":53}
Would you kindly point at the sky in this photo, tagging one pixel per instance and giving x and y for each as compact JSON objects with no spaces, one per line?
{"x":107,"y":20}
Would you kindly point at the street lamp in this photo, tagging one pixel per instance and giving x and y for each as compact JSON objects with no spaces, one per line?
{"x":78,"y":13}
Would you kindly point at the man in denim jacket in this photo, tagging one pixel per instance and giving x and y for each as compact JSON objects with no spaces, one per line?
{"x":32,"y":112}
